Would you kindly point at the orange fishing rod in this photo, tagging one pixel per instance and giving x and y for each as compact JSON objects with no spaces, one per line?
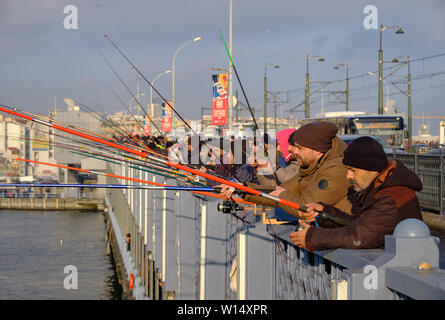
{"x":168,"y":163}
{"x":122,"y":177}
{"x":139,"y":145}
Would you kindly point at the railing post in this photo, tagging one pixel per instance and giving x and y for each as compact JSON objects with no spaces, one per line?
{"x":202,"y":273}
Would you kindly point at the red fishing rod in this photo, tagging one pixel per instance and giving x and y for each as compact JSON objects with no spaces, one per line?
{"x":122,"y":177}
{"x":168,"y":163}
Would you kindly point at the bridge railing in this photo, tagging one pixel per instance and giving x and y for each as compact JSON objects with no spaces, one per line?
{"x":182,"y":247}
{"x":431,"y":170}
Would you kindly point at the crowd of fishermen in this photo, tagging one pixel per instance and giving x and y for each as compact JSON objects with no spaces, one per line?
{"x":311,"y":166}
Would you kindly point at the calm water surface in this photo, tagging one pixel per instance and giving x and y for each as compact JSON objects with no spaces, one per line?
{"x":35,"y":247}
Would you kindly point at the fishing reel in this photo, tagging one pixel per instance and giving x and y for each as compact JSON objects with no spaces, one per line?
{"x":229,"y":206}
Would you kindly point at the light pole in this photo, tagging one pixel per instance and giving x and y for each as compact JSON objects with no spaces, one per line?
{"x":151,"y":92}
{"x":265,"y":92}
{"x":230,"y":73}
{"x":383,"y":28}
{"x":410,"y":115}
{"x":387,"y":88}
{"x":137,"y":100}
{"x":306,"y":101}
{"x":173,"y":75}
{"x":347,"y":82}
{"x":275,"y":111}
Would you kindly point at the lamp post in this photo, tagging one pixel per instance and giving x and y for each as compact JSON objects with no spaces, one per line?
{"x":383,"y":28}
{"x":410,"y":115}
{"x":230,"y":73}
{"x":347,"y":82}
{"x":131,"y":102}
{"x":387,"y":89}
{"x":265,"y":92}
{"x":173,"y":74}
{"x":306,"y":101}
{"x":275,"y":111}
{"x":137,"y":100}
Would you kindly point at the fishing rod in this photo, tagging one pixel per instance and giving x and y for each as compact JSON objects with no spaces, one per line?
{"x":106,"y":186}
{"x":172,"y":174}
{"x":125,"y":106}
{"x":167,"y":174}
{"x":248,"y":104}
{"x":81,"y":129}
{"x":168,"y":163}
{"x":79,"y":142}
{"x":137,"y":100}
{"x":128,"y":89}
{"x":162,"y":97}
{"x":205,"y":193}
{"x":149,"y":83}
{"x":98,"y":146}
{"x":105,"y":121}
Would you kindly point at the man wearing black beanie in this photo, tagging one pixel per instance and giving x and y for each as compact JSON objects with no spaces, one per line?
{"x":387,"y":195}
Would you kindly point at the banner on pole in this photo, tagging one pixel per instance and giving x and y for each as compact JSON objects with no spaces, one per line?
{"x":219,"y":102}
{"x":166,"y":117}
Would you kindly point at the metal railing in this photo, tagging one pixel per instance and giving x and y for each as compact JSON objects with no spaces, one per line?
{"x":72,"y":193}
{"x":431,"y":170}
{"x":182,"y":247}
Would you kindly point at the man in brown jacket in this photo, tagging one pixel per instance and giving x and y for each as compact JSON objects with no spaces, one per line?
{"x":321,"y":175}
{"x":386,"y":196}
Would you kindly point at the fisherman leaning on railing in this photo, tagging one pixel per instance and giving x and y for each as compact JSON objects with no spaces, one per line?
{"x":382,"y":194}
{"x":386,"y":196}
{"x":321,"y":175}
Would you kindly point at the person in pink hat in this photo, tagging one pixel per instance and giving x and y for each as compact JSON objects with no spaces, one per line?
{"x":290,"y":169}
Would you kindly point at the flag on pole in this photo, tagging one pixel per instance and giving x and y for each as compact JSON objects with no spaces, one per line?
{"x":134,"y":132}
{"x":166,"y":117}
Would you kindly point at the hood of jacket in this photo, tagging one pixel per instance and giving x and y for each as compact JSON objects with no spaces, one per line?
{"x":397,"y":174}
{"x":282,"y":138}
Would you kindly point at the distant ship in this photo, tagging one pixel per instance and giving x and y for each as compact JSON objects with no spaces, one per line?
{"x":424,"y":134}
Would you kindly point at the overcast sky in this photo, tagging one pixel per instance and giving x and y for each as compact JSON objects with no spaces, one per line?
{"x":40,"y":59}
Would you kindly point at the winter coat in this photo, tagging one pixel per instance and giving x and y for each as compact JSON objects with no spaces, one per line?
{"x":324,"y":181}
{"x":389,"y":199}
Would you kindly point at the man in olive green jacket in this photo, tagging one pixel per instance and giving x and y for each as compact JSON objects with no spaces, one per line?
{"x":322,"y":175}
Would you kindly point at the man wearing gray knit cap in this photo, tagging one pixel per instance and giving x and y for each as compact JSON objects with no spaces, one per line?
{"x":386,"y":196}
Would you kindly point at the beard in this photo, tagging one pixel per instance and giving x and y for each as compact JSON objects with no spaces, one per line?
{"x":353,"y":194}
{"x":355,"y":185}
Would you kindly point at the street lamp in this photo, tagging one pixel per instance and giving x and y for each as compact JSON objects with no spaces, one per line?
{"x":347,"y":82}
{"x":265,"y":92}
{"x":151,"y":92}
{"x":173,"y":75}
{"x":387,"y":88}
{"x":383,"y":28}
{"x":308,"y":57}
